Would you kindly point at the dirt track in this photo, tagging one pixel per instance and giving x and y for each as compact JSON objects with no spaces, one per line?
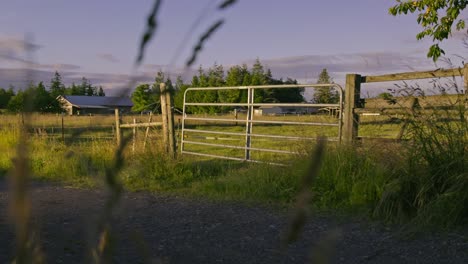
{"x":181,"y":230}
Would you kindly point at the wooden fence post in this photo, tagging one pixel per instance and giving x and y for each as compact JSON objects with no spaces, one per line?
{"x":147,"y":129}
{"x":167,"y":112}
{"x":170,"y":124}
{"x":134,"y":136}
{"x":352,"y":97}
{"x":162,"y":88}
{"x":118,"y":135}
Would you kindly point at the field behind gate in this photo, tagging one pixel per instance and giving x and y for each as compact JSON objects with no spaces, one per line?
{"x":371,"y":126}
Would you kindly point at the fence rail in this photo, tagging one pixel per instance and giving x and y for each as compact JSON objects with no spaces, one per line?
{"x":353,"y":103}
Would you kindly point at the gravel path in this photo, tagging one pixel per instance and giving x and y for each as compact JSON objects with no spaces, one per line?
{"x":182,"y":230}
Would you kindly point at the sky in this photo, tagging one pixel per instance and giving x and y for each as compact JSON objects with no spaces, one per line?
{"x":294,"y":38}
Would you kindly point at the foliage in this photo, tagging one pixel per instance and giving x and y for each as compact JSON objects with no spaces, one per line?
{"x":146,"y":97}
{"x":436,"y":17}
{"x":5,"y":96}
{"x":387,"y":97}
{"x":36,"y":99}
{"x":40,"y":99}
{"x":101,"y":92}
{"x":430,"y":187}
{"x":325,"y":95}
{"x":238,"y":76}
{"x":179,"y":91}
{"x":16,"y":103}
{"x":56,"y":87}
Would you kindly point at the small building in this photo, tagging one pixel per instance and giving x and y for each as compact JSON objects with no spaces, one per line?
{"x":268,"y":110}
{"x":85,"y":105}
{"x":285,"y":110}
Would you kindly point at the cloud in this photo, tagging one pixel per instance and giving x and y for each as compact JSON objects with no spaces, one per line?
{"x":58,"y":67}
{"x":108,"y":57}
{"x":13,"y":49}
{"x":151,"y":70}
{"x":309,"y":66}
{"x":303,"y":68}
{"x":20,"y":77}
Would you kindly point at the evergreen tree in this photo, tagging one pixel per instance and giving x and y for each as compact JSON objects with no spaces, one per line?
{"x":287,"y":95}
{"x":101,"y":92}
{"x":143,"y":98}
{"x":87,"y":88}
{"x":83,"y":87}
{"x":200,"y":80}
{"x":5,"y":96}
{"x":325,"y":95}
{"x":74,"y":90}
{"x":43,"y":101}
{"x":56,"y":87}
{"x":258,"y":77}
{"x":214,"y":78}
{"x":179,"y":93}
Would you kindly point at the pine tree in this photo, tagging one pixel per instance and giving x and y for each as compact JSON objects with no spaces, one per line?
{"x":56,"y":87}
{"x":42,"y":100}
{"x":143,"y":98}
{"x":5,"y":96}
{"x":325,"y":95}
{"x":179,"y":93}
{"x":101,"y":92}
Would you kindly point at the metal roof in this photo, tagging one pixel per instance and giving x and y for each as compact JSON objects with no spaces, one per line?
{"x":97,"y":101}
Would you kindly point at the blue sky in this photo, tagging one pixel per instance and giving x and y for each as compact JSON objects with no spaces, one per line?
{"x":295,"y":38}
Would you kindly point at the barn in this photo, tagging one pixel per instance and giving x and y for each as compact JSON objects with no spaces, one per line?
{"x":86,"y":105}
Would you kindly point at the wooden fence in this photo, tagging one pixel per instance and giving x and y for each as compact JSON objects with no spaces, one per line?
{"x":167,"y":124}
{"x":353,"y":101}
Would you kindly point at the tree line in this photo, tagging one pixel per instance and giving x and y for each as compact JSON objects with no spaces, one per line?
{"x":39,"y":98}
{"x":146,"y":96}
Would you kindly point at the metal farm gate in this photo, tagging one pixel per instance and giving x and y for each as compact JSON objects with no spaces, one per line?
{"x":248,"y":122}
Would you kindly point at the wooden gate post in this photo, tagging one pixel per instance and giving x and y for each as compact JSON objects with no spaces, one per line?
{"x":167,"y":112}
{"x":118,"y":135}
{"x":352,"y":97}
{"x":170,"y":124}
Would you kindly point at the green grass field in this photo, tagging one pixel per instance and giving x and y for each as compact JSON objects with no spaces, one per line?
{"x":411,"y":181}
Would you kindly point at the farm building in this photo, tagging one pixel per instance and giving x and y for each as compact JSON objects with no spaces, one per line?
{"x":268,"y":110}
{"x":84,"y":105}
{"x":284,"y":110}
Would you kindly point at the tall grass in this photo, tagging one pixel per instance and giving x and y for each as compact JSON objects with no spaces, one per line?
{"x":431,"y":182}
{"x":422,"y":180}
